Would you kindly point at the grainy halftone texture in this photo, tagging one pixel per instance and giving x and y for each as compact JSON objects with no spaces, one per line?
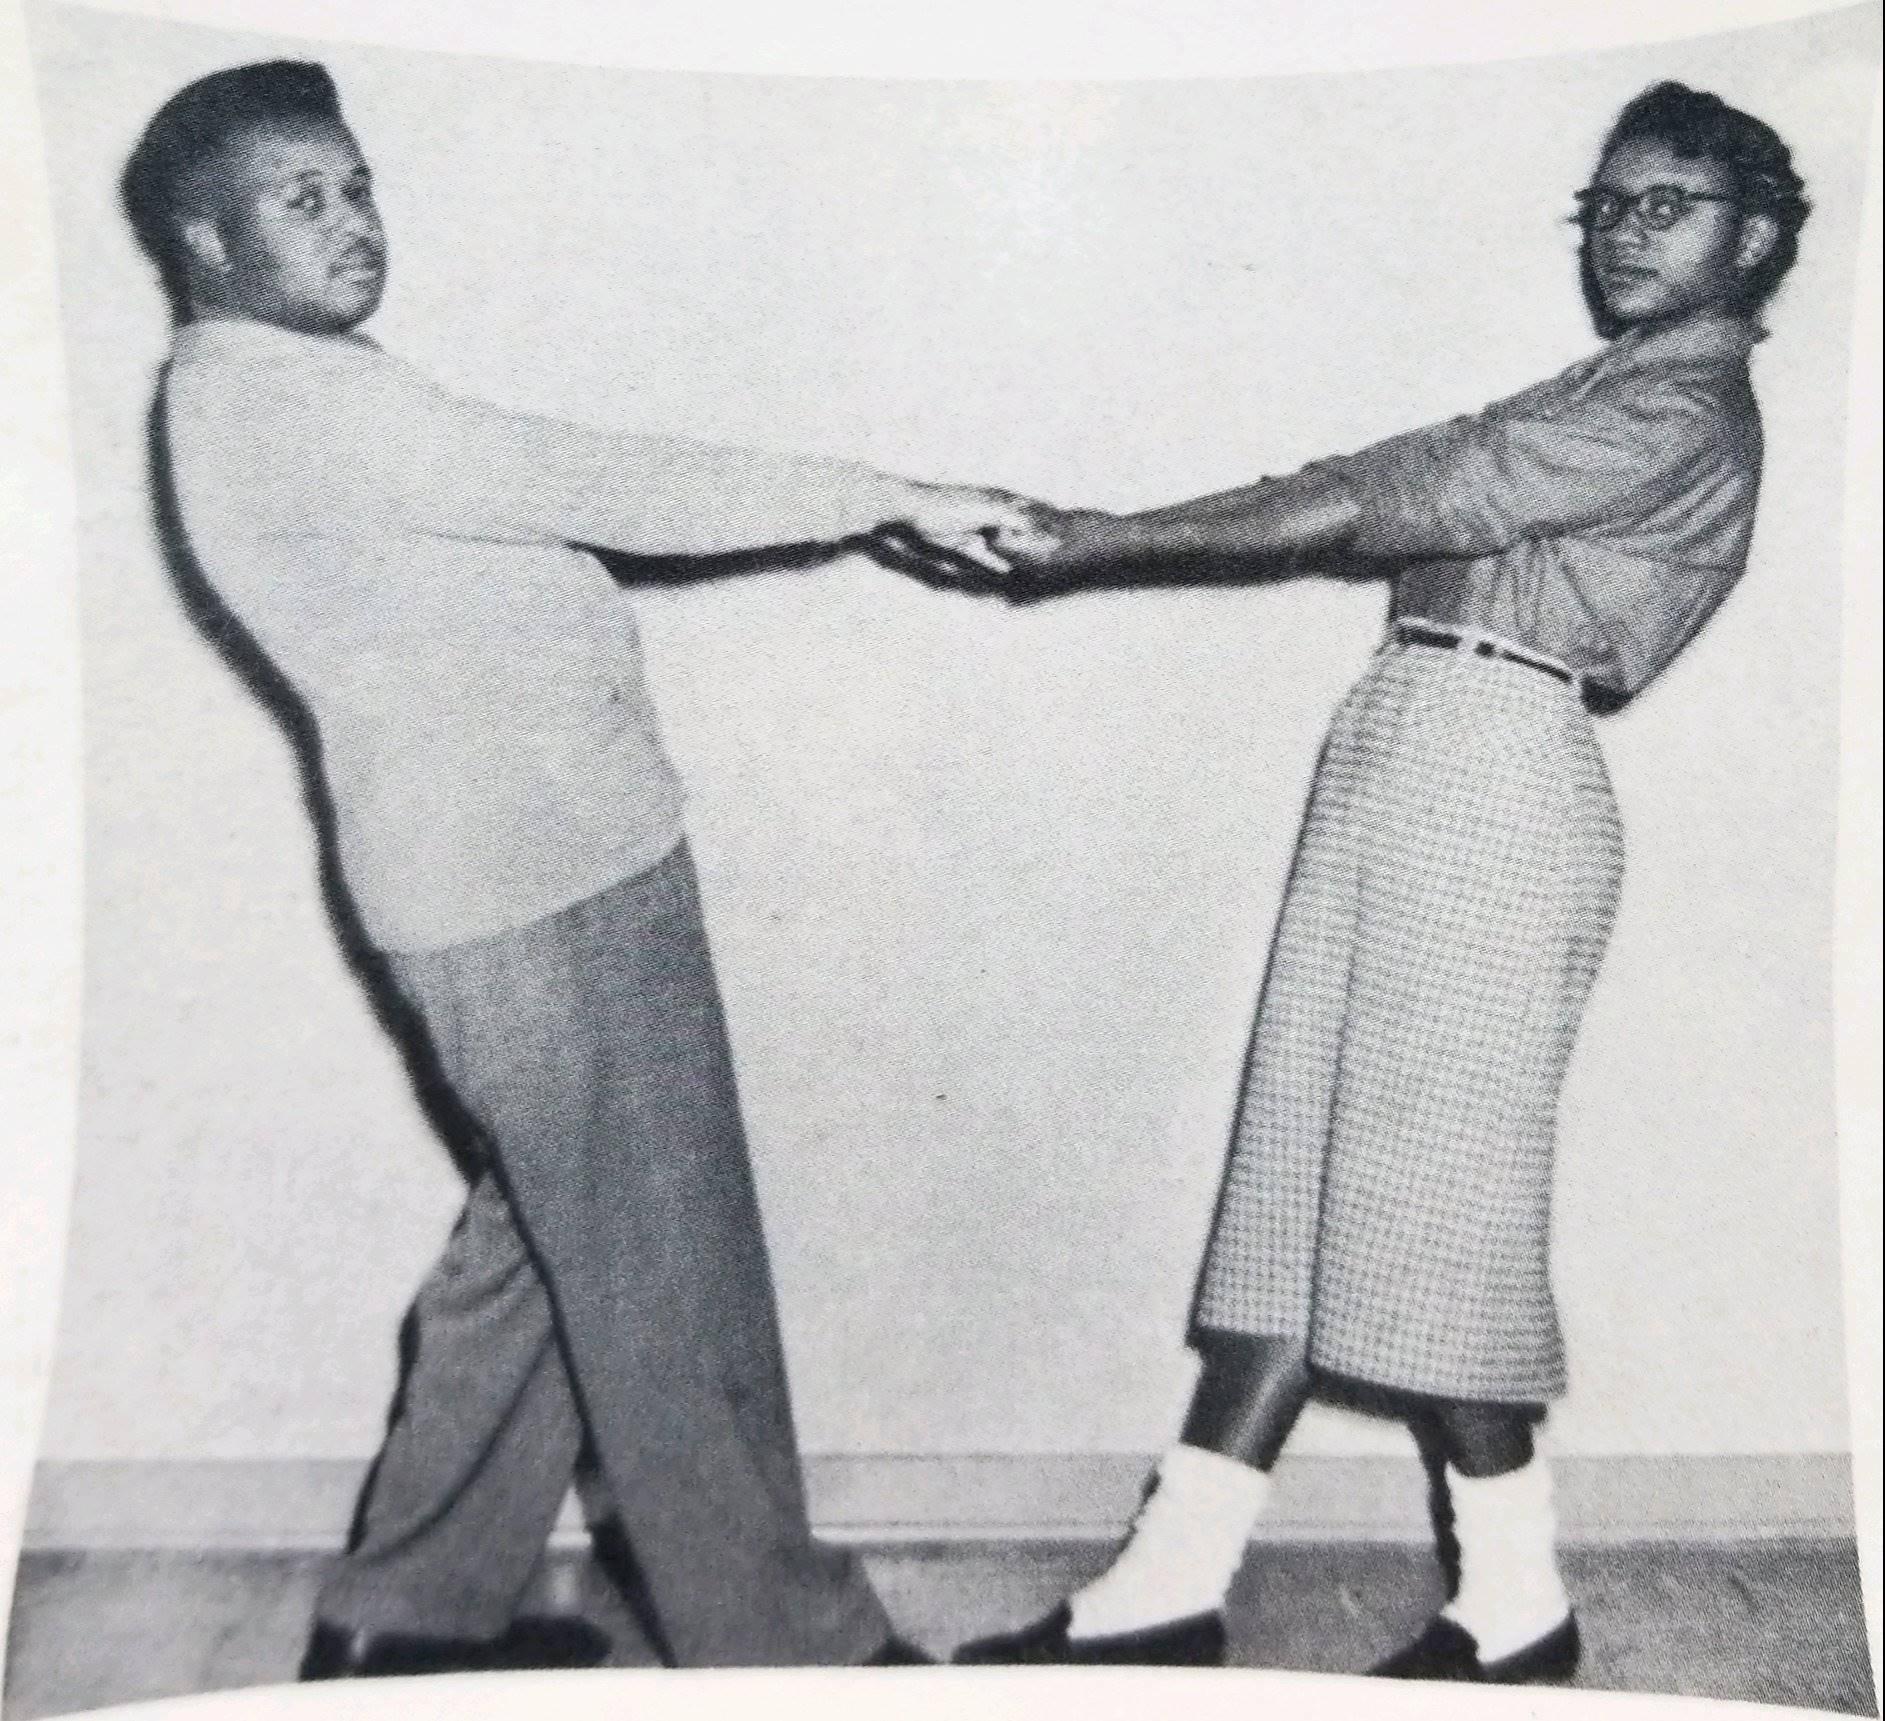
{"x":1389,"y":1185}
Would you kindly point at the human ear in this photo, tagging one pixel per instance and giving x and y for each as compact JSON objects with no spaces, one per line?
{"x":204,"y":241}
{"x":1759,"y":235}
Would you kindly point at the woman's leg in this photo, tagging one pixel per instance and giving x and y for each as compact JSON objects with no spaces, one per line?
{"x":1162,"y":1598}
{"x":1483,"y":925}
{"x":1209,"y":1490}
{"x":1511,"y":1600}
{"x":1190,"y":1536}
{"x":1255,"y":1292}
{"x":1249,"y":1396}
{"x":1484,"y":1440}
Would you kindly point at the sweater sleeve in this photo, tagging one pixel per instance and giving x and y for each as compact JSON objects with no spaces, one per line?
{"x":383,"y":446}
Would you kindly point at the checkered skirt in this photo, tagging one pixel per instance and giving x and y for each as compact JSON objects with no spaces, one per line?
{"x":1389,"y":1186}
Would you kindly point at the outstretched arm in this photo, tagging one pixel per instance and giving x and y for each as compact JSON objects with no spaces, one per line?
{"x":1541,"y":465}
{"x":1257,"y":531}
{"x":385,"y":445}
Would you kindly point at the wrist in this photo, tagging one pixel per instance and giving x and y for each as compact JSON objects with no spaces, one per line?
{"x":885,"y":499}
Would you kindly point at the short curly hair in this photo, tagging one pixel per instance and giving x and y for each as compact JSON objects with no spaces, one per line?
{"x":190,"y":129}
{"x":1697,"y":124}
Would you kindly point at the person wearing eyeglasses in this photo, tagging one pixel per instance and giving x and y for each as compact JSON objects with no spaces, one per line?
{"x":1384,"y":1218}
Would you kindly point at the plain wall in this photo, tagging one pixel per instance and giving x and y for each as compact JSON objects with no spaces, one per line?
{"x":990,"y":890}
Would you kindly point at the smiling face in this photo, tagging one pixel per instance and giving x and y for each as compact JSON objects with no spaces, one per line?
{"x":285,"y":231}
{"x":1649,"y":274}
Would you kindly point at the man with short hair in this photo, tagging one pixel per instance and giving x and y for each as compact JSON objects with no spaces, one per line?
{"x":508,"y":827}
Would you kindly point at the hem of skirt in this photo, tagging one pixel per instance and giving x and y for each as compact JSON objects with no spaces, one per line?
{"x":1199,"y":1326}
{"x":1544,"y":1389}
{"x":1541,"y":1389}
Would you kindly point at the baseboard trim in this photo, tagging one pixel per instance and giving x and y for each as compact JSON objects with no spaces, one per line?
{"x":934,"y":1497}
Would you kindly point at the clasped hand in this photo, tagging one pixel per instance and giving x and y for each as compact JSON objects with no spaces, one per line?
{"x":986,"y":540}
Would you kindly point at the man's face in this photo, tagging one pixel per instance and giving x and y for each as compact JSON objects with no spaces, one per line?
{"x":1668,"y":256}
{"x":290,"y":234}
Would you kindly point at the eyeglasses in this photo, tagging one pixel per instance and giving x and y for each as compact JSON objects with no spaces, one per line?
{"x":1660,"y":206}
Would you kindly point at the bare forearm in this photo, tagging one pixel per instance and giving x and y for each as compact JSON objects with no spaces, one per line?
{"x":1260,"y":531}
{"x":1274,"y":522}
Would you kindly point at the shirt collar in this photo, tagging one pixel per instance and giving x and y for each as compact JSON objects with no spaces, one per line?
{"x":1713,"y":339}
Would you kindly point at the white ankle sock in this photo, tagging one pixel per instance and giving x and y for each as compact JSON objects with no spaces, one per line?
{"x":1510,"y":1591}
{"x":1185,"y":1546}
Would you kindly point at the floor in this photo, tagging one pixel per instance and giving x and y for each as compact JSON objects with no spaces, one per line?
{"x":1778,"y":1622}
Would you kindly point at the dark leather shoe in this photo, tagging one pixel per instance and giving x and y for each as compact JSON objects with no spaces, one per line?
{"x":535,"y":1641}
{"x":1446,"y":1650}
{"x":1196,"y":1641}
{"x":899,"y":1652}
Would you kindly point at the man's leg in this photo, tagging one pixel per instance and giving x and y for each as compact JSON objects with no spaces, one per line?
{"x":479,"y":1452}
{"x":593,"y":1054}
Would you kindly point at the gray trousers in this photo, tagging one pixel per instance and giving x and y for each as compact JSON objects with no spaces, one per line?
{"x":609,"y":1273}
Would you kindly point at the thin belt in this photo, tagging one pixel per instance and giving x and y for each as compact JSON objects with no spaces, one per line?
{"x":1481,"y":645}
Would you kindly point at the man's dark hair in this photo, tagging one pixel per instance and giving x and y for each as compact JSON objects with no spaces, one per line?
{"x":1698,"y":125}
{"x":189,"y":130}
